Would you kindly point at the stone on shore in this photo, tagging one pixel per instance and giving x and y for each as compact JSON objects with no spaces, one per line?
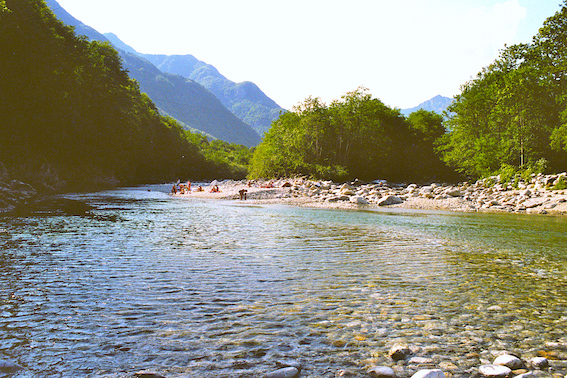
{"x":389,"y":200}
{"x":509,"y":361}
{"x":381,"y":372}
{"x":429,"y":373}
{"x":359,"y":200}
{"x":494,"y":371}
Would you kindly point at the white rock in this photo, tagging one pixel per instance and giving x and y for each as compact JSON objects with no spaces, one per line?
{"x":381,"y":372}
{"x":389,"y":200}
{"x":359,"y":200}
{"x":510,"y":361}
{"x":494,"y":371}
{"x":429,"y":373}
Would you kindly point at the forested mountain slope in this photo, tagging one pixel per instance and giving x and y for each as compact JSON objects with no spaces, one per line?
{"x":181,"y":98}
{"x":70,"y":117}
{"x":244,"y":99}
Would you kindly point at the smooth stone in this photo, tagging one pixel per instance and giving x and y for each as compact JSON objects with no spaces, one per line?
{"x":381,"y":372}
{"x":9,"y":367}
{"x":288,"y":372}
{"x":539,"y":363}
{"x":147,"y":374}
{"x":510,"y":361}
{"x":399,"y":352}
{"x":429,"y":373}
{"x":420,"y":360}
{"x":495,"y":371}
{"x":526,"y":375}
{"x":359,"y":200}
{"x":390,"y":200}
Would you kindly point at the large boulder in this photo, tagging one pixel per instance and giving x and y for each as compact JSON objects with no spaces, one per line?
{"x":389,"y":200}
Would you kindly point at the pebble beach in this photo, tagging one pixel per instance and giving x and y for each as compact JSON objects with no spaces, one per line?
{"x":537,"y":196}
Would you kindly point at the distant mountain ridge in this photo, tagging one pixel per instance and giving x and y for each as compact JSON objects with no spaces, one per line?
{"x":243,"y":99}
{"x":437,"y":104}
{"x":184,"y":99}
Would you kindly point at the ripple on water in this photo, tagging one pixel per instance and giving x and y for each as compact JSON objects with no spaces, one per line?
{"x":205,"y":288}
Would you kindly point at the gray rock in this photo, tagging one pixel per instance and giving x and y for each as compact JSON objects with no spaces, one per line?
{"x":534,"y":202}
{"x":399,"y":352}
{"x":429,"y":373}
{"x":389,"y":200}
{"x":509,"y":361}
{"x":147,"y":374}
{"x":381,"y":372}
{"x":359,"y":200}
{"x":288,"y":372}
{"x":494,"y":371}
{"x":9,"y":367}
{"x":539,"y":363}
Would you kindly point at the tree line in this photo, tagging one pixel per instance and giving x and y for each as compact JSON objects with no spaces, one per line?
{"x":68,"y":104}
{"x":510,"y":119}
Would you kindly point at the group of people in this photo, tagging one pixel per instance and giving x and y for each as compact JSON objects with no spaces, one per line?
{"x":186,"y":188}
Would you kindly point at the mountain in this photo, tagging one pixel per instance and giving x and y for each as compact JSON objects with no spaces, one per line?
{"x":437,"y":104}
{"x":179,"y":97}
{"x":245,"y":99}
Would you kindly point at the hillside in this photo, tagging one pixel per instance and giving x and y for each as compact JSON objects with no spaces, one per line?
{"x":244,"y":99}
{"x":184,"y":99}
{"x":70,"y":116}
{"x":437,"y":104}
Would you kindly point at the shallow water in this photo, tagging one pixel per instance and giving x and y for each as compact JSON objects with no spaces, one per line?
{"x":203,"y":288}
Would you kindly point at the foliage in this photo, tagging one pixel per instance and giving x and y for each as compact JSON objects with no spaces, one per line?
{"x":514,"y":112}
{"x":355,"y":137}
{"x":561,"y":184}
{"x":224,"y":160}
{"x":68,"y":104}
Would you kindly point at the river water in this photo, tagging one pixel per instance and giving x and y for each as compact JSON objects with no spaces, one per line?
{"x":205,"y":288}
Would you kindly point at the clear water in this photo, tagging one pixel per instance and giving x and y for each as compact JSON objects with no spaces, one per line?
{"x":202,"y":288}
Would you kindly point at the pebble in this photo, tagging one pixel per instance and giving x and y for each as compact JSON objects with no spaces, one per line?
{"x":147,"y":374}
{"x":288,"y":372}
{"x":509,"y":361}
{"x":381,"y":372}
{"x":429,"y":373}
{"x":495,"y":371}
{"x":539,"y":363}
{"x":399,"y":352}
{"x":9,"y":367}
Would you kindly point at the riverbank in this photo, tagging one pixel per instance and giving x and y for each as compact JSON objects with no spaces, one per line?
{"x":541,"y":195}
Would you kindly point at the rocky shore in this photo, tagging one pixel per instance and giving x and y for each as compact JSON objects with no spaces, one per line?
{"x":543,"y":194}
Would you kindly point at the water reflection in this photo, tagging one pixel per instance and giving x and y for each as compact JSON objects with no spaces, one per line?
{"x":205,"y":288}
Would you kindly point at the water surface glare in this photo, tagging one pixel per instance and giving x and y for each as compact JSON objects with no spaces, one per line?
{"x":199,"y":288}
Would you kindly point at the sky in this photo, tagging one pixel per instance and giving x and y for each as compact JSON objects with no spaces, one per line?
{"x":404,"y":51}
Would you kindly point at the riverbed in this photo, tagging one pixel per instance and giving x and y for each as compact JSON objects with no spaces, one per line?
{"x":194,"y":287}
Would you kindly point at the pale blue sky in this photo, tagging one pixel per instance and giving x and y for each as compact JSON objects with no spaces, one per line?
{"x":404,"y":51}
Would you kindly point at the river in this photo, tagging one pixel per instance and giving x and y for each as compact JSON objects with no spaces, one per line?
{"x":205,"y":288}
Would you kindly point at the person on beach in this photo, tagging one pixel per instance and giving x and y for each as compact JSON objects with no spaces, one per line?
{"x":173,"y":189}
{"x":189,"y":186}
{"x":242,"y":193}
{"x":200,"y":189}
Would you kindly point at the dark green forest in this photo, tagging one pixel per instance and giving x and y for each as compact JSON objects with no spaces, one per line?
{"x":69,"y":113}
